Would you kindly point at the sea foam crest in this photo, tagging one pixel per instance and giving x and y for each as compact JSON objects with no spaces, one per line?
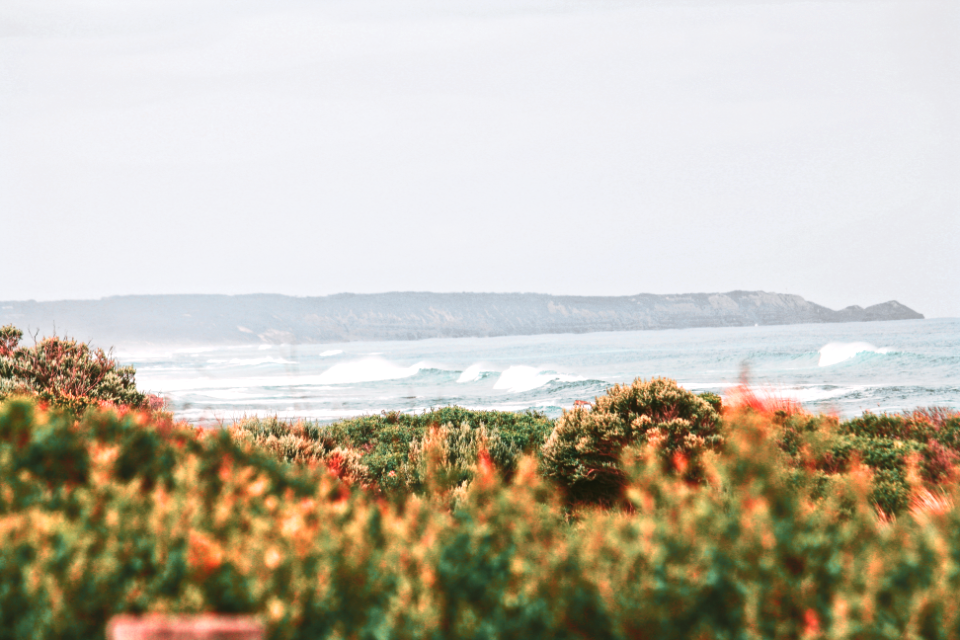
{"x":523,"y":378}
{"x":835,"y":352}
{"x":473,"y":373}
{"x":367,"y":370}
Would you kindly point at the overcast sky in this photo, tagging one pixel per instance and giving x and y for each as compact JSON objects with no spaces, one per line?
{"x":600,"y":147}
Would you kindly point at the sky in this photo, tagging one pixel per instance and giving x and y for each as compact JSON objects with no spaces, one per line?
{"x":595,"y":147}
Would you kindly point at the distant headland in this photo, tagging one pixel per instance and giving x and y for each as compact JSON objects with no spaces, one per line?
{"x":268,"y":318}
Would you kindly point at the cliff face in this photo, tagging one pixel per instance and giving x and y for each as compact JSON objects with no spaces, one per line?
{"x":179,"y":319}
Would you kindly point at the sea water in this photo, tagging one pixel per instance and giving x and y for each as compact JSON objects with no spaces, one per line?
{"x":843,"y":368}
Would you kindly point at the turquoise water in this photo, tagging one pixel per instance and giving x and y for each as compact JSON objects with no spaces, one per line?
{"x":845,"y":368}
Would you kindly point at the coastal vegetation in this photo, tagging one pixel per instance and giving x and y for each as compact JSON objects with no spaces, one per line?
{"x":64,"y":372}
{"x":583,"y":454}
{"x":388,"y":451}
{"x":657,"y":513}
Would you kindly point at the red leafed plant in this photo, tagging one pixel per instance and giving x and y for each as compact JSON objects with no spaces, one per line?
{"x":64,"y":373}
{"x":766,"y":402}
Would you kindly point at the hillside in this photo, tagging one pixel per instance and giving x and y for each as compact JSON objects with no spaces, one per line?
{"x":220,"y":319}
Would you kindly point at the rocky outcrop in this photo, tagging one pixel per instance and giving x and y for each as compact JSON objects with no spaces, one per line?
{"x":891,"y":310}
{"x":212,"y":319}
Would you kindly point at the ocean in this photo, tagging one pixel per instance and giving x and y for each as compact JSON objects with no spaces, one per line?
{"x":843,"y":368}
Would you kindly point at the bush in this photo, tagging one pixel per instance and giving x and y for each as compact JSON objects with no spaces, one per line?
{"x":215,"y":524}
{"x":386,"y":450}
{"x":64,"y":373}
{"x":887,"y":444}
{"x":584,"y":449}
{"x":98,"y":517}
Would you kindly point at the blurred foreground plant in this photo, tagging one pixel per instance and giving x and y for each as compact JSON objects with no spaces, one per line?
{"x":151,"y":516}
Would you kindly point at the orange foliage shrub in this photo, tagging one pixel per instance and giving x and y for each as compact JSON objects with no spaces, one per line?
{"x":152,"y":516}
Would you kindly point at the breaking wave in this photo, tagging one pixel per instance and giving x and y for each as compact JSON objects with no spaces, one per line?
{"x":835,"y":352}
{"x":523,"y":378}
{"x":849,"y":369}
{"x":474,"y":372}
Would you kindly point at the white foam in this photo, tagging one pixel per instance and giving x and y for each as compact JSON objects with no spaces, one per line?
{"x":232,"y":394}
{"x":172,"y":383}
{"x":835,"y":352}
{"x":330,"y":352}
{"x":472,"y":373}
{"x":523,"y":378}
{"x":367,"y":370}
{"x":815,"y":393}
{"x":290,"y":413}
{"x":250,"y":361}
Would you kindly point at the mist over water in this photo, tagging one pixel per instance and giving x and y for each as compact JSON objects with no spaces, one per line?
{"x":845,"y":368}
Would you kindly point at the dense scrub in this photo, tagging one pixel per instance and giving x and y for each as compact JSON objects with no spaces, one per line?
{"x":657,"y":514}
{"x":64,"y":373}
{"x":584,"y":451}
{"x":886,"y":444}
{"x":151,"y":516}
{"x":388,"y":450}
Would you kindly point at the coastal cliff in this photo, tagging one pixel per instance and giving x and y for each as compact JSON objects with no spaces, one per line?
{"x":219,"y":319}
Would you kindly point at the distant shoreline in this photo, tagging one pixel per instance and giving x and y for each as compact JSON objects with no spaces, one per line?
{"x":276,"y":319}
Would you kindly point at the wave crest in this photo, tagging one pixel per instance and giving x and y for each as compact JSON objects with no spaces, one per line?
{"x":520,"y":378}
{"x":835,"y":352}
{"x":473,"y":373}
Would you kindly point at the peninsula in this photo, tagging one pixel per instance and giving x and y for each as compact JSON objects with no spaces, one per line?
{"x":267,"y":318}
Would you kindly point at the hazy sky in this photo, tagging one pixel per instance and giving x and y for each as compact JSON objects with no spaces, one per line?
{"x":311,"y":147}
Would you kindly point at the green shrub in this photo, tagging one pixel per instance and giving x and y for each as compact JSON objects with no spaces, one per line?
{"x":584,"y":449}
{"x":64,"y":373}
{"x":386,"y":450}
{"x":713,"y":400}
{"x":884,"y":443}
{"x":222,"y":526}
